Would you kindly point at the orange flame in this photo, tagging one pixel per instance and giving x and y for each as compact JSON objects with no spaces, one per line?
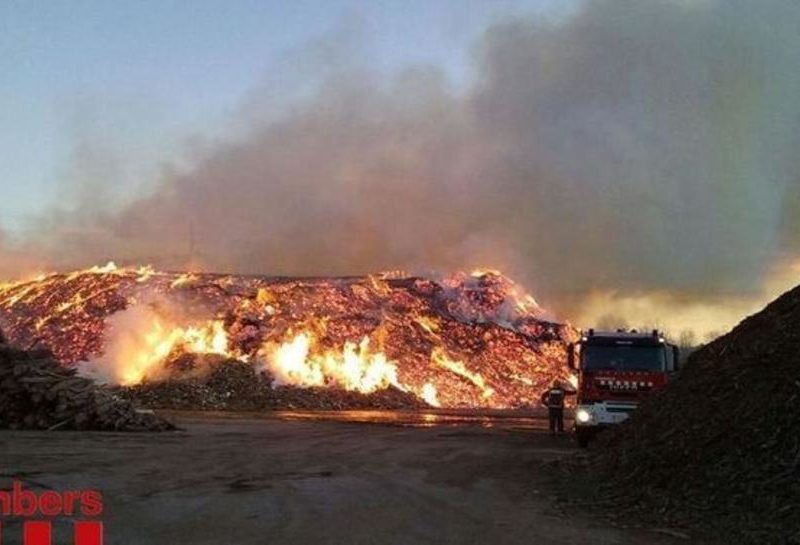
{"x":573,"y":380}
{"x":439,"y":357}
{"x":161,"y":341}
{"x":430,"y":395}
{"x":291,"y":328}
{"x":356,"y":367}
{"x":142,"y":342}
{"x":477,"y":273}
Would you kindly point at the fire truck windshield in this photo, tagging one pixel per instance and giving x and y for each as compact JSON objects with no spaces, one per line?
{"x":623,"y":358}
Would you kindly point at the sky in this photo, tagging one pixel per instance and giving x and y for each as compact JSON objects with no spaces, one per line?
{"x":136,"y":75}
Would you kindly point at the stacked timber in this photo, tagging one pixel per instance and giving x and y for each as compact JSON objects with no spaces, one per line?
{"x":36,"y":392}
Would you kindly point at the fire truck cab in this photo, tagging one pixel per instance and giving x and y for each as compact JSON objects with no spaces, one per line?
{"x":616,"y":371}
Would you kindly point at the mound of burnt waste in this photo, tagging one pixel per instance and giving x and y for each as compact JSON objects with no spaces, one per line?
{"x":719,"y":450}
{"x":36,"y":392}
{"x":467,"y":340}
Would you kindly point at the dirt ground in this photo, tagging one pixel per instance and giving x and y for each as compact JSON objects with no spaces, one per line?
{"x":295,"y":479}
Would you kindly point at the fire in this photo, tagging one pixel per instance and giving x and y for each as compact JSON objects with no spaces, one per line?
{"x":356,"y":367}
{"x":145,"y":273}
{"x":108,"y":268}
{"x":525,"y":303}
{"x":430,"y":395}
{"x":428,"y":325}
{"x":161,"y":341}
{"x":142,"y":342}
{"x":439,"y":357}
{"x":378,"y":285}
{"x":128,"y":324}
{"x":184,"y":279}
{"x":573,"y":380}
{"x":477,"y":273}
{"x":208,"y":339}
{"x":299,"y":362}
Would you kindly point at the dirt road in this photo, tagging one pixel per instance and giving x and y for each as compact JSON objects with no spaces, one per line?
{"x":303,"y":481}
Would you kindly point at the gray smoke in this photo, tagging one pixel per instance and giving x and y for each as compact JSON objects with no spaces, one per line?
{"x":14,"y":260}
{"x":638,"y":146}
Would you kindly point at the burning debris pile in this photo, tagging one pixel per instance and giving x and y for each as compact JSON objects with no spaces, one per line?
{"x":233,"y":385}
{"x":36,"y":392}
{"x":470,"y":340}
{"x":720,"y":448}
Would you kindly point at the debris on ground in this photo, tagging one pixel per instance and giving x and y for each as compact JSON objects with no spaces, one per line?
{"x":36,"y":392}
{"x":718,"y":451}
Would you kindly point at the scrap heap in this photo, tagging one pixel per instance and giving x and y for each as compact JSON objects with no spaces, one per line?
{"x":469,"y":340}
{"x":719,"y":450}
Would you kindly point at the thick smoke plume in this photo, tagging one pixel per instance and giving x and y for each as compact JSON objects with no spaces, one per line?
{"x":636,"y":147}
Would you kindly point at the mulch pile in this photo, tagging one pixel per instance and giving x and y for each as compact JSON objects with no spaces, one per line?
{"x":233,"y":385}
{"x":37,"y":392}
{"x":483,"y":321}
{"x":719,"y":450}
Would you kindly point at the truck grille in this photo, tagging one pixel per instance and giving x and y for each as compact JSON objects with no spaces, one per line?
{"x":624,"y":385}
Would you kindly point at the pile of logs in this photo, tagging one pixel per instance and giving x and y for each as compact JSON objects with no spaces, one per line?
{"x":36,"y":392}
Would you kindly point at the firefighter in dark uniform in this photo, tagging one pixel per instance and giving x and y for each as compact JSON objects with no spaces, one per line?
{"x":553,"y":399}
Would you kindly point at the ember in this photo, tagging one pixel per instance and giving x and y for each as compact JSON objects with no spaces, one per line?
{"x":471,"y":340}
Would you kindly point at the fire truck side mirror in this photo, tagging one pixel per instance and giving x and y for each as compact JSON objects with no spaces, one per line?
{"x":676,"y":358}
{"x":571,"y":356}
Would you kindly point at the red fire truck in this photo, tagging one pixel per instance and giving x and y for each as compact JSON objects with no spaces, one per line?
{"x":616,"y":370}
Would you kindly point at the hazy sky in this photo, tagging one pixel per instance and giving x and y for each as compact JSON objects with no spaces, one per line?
{"x":629,"y":153}
{"x":146,"y":76}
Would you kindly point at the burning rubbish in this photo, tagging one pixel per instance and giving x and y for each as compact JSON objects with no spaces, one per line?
{"x":469,"y":340}
{"x":725,"y":432}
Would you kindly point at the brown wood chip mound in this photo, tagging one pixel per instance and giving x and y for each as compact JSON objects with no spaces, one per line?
{"x":719,"y":450}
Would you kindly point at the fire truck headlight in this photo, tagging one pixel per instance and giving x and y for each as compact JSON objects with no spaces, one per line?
{"x":583,"y":416}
